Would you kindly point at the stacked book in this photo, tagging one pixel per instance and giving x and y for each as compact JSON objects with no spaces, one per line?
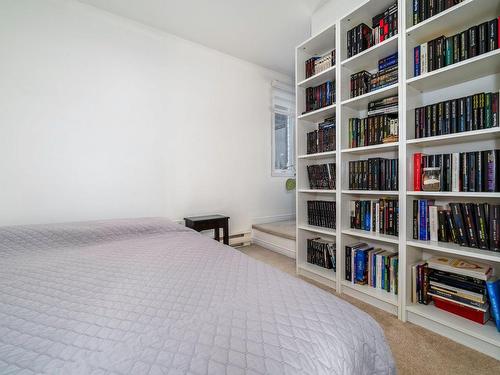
{"x":474,"y":112}
{"x":322,"y":214}
{"x":455,"y":285}
{"x":321,"y":176}
{"x":320,"y":96}
{"x":321,"y":253}
{"x":474,"y":225}
{"x":373,"y":174}
{"x":377,"y":216}
{"x":323,"y":139}
{"x":423,"y":9}
{"x":377,"y":268}
{"x":381,"y":125}
{"x":362,"y":37}
{"x":477,"y":171}
{"x":364,"y":82}
{"x":318,"y":64}
{"x":444,"y":51}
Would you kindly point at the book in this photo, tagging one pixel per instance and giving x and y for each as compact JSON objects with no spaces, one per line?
{"x":466,"y":312}
{"x":474,"y":112}
{"x":444,"y":51}
{"x":473,"y":269}
{"x":323,"y":139}
{"x":468,"y":171}
{"x":321,"y":253}
{"x":322,"y":213}
{"x":322,"y":176}
{"x":433,"y":223}
{"x":373,"y":174}
{"x":378,"y":216}
{"x":493,"y":287}
{"x":320,"y":96}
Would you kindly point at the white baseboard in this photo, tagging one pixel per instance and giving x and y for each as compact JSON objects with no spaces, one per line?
{"x":272,"y":219}
{"x":277,"y":244}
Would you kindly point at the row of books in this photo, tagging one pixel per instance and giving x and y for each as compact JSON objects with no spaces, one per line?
{"x":373,"y":174}
{"x":362,"y":37}
{"x":318,"y":64}
{"x":423,"y":9}
{"x":461,"y":287}
{"x":377,"y":216}
{"x":477,"y":171}
{"x":323,"y":139}
{"x":474,"y":112}
{"x":364,"y":82}
{"x":444,"y":51}
{"x":322,"y":214}
{"x":384,"y":106}
{"x":377,"y":268}
{"x":322,"y":176}
{"x":320,"y":96}
{"x":373,"y":130}
{"x":474,"y":225}
{"x":321,"y":253}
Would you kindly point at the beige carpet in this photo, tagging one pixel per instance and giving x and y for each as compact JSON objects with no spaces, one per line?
{"x":415,"y":349}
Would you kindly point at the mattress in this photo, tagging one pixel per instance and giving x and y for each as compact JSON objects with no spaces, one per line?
{"x":147,"y":296}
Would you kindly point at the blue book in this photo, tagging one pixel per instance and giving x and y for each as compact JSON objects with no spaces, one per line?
{"x":416,"y":61}
{"x":422,"y":212}
{"x":367,"y":216}
{"x":493,"y":287}
{"x":360,"y":262}
{"x":388,"y":63}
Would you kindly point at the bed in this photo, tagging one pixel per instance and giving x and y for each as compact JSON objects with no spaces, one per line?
{"x":148,"y":296}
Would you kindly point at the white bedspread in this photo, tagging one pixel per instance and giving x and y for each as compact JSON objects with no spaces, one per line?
{"x":147,"y":296}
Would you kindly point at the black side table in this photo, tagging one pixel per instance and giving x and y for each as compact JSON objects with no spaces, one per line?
{"x":215,"y":222}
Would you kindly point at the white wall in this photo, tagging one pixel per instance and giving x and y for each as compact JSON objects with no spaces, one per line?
{"x":330,"y":12}
{"x":101,"y":117}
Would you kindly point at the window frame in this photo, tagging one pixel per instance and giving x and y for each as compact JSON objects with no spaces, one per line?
{"x":283,"y":103}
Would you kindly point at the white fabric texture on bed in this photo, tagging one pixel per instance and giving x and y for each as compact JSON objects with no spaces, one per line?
{"x":147,"y":296}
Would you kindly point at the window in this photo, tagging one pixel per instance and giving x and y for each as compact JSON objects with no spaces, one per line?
{"x":283,"y":130}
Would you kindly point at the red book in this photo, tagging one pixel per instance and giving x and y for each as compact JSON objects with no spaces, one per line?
{"x":417,"y":171}
{"x":470,"y":313}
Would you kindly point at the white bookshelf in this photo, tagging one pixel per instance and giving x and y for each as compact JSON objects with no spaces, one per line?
{"x":478,"y":74}
{"x":323,"y":42}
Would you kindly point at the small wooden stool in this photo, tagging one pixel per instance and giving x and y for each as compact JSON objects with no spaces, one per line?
{"x":215,"y":222}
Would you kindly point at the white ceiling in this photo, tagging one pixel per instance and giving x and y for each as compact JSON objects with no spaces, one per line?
{"x":264,"y":32}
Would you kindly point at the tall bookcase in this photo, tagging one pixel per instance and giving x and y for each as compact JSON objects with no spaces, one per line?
{"x":478,"y":74}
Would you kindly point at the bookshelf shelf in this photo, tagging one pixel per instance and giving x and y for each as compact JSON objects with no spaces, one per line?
{"x":374,"y":292}
{"x":371,"y":149}
{"x":456,"y":138}
{"x":469,"y":77}
{"x":320,"y":271}
{"x":361,"y":102}
{"x":317,"y":79}
{"x":487,"y":332}
{"x":451,"y":248}
{"x":467,"y":70}
{"x":452,"y":20}
{"x":319,"y":155}
{"x":366,"y":59}
{"x":371,"y":192}
{"x":465,"y":194}
{"x":317,"y":191}
{"x":320,"y":230}
{"x":319,"y":114}
{"x":371,"y":235}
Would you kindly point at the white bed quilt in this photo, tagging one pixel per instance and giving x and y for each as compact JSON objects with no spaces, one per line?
{"x":147,"y":296}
